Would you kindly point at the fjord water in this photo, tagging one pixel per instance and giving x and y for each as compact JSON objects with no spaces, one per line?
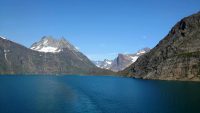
{"x":96,"y":94}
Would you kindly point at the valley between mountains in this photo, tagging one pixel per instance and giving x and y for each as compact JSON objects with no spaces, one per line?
{"x":176,"y":57}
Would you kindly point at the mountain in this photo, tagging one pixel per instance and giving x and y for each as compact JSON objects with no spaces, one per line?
{"x":124,"y":60}
{"x":121,"y":62}
{"x":48,"y":56}
{"x":176,"y":57}
{"x":49,"y":44}
{"x":106,"y":64}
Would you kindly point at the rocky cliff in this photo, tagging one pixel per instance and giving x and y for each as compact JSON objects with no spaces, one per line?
{"x":125,"y":60}
{"x":17,"y":59}
{"x":176,"y":57}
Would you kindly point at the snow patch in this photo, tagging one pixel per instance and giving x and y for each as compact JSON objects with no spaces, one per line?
{"x":141,"y":52}
{"x":5,"y":54}
{"x":3,"y":37}
{"x":109,"y":62}
{"x":134,"y":58}
{"x":45,"y":42}
{"x":48,"y":49}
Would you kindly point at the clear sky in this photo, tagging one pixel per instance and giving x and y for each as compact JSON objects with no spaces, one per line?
{"x":100,"y":28}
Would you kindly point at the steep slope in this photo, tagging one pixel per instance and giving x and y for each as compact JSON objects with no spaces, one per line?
{"x":176,"y":57}
{"x":17,"y":59}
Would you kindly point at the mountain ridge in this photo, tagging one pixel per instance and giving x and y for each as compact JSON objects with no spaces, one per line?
{"x":18,"y":59}
{"x":175,"y":57}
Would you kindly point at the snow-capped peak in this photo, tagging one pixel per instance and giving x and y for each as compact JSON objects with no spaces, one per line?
{"x":49,"y":44}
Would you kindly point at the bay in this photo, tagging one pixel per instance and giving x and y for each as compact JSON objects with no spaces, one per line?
{"x":96,"y":94}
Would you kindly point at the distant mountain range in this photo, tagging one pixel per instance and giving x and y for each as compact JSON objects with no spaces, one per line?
{"x":121,"y":62}
{"x":48,"y":56}
{"x":106,"y":64}
{"x":176,"y":57}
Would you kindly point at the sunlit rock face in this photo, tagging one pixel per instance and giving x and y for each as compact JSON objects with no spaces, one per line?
{"x":176,"y":57}
{"x":125,"y":60}
{"x":49,"y":44}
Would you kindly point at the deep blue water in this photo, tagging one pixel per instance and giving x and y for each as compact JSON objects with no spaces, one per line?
{"x":96,"y":94}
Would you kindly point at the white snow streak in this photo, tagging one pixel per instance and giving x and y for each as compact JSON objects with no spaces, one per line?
{"x":3,"y":37}
{"x":49,"y":49}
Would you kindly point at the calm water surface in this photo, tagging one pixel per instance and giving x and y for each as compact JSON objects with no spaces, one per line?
{"x":96,"y":94}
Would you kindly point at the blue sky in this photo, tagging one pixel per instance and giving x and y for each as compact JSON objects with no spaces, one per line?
{"x":100,"y":28}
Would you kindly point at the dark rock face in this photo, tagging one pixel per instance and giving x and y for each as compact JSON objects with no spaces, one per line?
{"x":17,"y":59}
{"x":176,"y":57}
